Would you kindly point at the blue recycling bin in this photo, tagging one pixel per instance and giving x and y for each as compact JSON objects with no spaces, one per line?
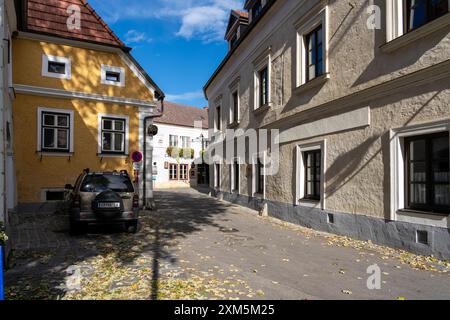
{"x":2,"y":291}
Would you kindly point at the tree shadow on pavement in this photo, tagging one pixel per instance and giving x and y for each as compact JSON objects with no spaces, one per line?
{"x":45,"y":251}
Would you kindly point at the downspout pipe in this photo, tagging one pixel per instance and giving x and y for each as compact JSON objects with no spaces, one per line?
{"x":148,"y":205}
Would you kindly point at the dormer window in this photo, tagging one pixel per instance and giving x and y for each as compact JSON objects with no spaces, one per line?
{"x":256,"y":10}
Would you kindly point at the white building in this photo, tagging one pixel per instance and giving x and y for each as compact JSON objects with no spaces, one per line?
{"x":8,"y":24}
{"x":182,"y":135}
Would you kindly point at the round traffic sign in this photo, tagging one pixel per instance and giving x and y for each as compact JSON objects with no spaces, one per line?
{"x":136,"y":156}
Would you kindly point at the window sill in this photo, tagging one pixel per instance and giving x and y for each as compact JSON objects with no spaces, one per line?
{"x":261,"y":109}
{"x":424,"y":213}
{"x":416,"y":34}
{"x":310,"y":203}
{"x":55,"y":154}
{"x":112,"y":155}
{"x":233,"y":125}
{"x":258,"y":195}
{"x":316,"y":82}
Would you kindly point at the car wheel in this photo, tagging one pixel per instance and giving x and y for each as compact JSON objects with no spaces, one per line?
{"x":77,"y":228}
{"x":132,"y":227}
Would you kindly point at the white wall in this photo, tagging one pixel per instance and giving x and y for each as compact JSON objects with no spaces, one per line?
{"x":160,"y":144}
{"x":7,"y":180}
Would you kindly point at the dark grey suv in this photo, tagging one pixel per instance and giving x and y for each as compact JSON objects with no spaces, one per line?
{"x":103,"y":198}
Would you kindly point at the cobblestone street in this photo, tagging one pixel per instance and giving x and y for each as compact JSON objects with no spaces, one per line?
{"x":196,"y":247}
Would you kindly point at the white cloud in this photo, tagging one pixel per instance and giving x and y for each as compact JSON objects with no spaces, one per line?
{"x":198,"y":19}
{"x":185,"y":96}
{"x":134,"y":36}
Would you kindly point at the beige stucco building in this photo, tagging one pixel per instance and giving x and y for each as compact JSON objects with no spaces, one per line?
{"x":360,"y":94}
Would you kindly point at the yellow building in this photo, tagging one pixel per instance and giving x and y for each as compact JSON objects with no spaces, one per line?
{"x":81,"y":99}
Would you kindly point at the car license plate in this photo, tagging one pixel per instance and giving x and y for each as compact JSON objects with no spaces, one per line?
{"x":108,"y":205}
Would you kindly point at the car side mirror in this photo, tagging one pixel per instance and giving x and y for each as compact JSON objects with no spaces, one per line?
{"x":69,"y":187}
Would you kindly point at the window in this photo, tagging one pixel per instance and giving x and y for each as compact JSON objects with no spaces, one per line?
{"x":8,"y":136}
{"x":114,"y":76}
{"x":55,"y":131}
{"x":262,"y":76}
{"x":55,"y":195}
{"x":259,"y":179}
{"x":314,"y":54}
{"x":256,"y":10}
{"x":173,"y":141}
{"x":310,"y":175}
{"x":56,"y":67}
{"x":420,"y":12}
{"x":184,"y":172}
{"x":234,"y":115}
{"x":101,"y":182}
{"x":263,"y":87}
{"x":236,"y":176}
{"x":185,"y":142}
{"x":313,"y":171}
{"x":427,"y":176}
{"x":217,"y":175}
{"x":113,"y":135}
{"x":312,"y":50}
{"x":173,"y":171}
{"x":218,"y":124}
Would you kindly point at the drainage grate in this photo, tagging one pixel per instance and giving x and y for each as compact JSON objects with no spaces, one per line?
{"x":422,"y":237}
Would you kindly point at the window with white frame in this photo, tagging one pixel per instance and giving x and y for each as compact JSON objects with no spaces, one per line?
{"x":314,"y":54}
{"x":258,"y":175}
{"x":56,"y":67}
{"x":310,"y":175}
{"x":113,"y":135}
{"x":262,"y":79}
{"x":217,"y":177}
{"x":312,"y":47}
{"x":234,"y":109}
{"x":173,"y":141}
{"x":114,"y":76}
{"x":184,"y":172}
{"x":235,"y":176}
{"x":218,"y":118}
{"x":185,"y":142}
{"x":55,"y":130}
{"x":404,"y":16}
{"x":421,"y":169}
{"x":173,"y":171}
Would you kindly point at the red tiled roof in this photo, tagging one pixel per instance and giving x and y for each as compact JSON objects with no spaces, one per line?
{"x":181,"y":115}
{"x":50,"y":17}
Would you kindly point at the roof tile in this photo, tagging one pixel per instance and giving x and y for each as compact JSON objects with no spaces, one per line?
{"x":50,"y":16}
{"x":181,"y":115}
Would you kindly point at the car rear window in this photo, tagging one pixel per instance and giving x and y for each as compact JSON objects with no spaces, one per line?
{"x":100,"y":183}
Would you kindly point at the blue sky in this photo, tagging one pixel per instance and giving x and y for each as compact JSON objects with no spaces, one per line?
{"x":178,"y":42}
